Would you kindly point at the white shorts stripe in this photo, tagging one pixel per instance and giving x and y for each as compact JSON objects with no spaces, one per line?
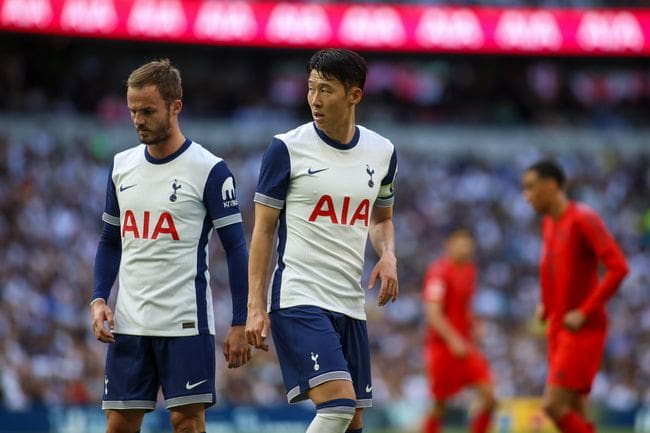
{"x":128,"y":404}
{"x":326,"y":377}
{"x":188,"y":399}
{"x":364,"y":402}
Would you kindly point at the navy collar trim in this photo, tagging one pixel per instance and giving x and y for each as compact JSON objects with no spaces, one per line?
{"x":335,"y":144}
{"x":171,"y":157}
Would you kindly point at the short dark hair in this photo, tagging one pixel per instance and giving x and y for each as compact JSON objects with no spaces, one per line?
{"x":548,"y":169}
{"x":159,"y":73}
{"x":460,"y":231}
{"x":338,"y":63}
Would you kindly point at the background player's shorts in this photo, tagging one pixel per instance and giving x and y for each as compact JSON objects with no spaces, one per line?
{"x":137,"y":366}
{"x":315,"y":346}
{"x":574,"y":358}
{"x":448,"y":374}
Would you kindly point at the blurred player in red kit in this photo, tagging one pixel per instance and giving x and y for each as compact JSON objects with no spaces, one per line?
{"x":575,"y":242}
{"x":452,"y":358}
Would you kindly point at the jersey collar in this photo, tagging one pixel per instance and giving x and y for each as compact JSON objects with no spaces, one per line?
{"x":336,"y":144}
{"x":166,"y":159}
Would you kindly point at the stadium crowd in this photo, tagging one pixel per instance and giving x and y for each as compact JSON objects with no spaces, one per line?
{"x":258,"y":84}
{"x":52,"y":191}
{"x":51,"y":200}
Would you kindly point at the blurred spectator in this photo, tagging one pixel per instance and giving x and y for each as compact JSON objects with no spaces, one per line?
{"x":52,"y":191}
{"x":51,"y":200}
{"x":244,"y":84}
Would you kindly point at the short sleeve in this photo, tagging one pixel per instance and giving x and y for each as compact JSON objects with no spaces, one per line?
{"x":434,"y":285}
{"x":386,"y":195}
{"x":111,"y":213}
{"x":273,"y":181}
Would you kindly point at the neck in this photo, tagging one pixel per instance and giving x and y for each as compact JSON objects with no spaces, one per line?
{"x":559,"y":206}
{"x":165,"y":148}
{"x":343,"y":132}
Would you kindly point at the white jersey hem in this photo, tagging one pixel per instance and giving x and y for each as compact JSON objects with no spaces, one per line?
{"x":158,"y":333}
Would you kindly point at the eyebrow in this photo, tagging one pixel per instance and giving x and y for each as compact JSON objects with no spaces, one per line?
{"x":323,"y":82}
{"x":148,"y":107}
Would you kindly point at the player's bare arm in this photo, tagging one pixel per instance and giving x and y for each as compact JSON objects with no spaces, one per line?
{"x":382,"y":237}
{"x":102,"y":315}
{"x":235,"y":348}
{"x":258,"y":324}
{"x":437,"y":320}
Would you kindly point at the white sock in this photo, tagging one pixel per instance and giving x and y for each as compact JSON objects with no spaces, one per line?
{"x":332,"y":416}
{"x":330,"y":423}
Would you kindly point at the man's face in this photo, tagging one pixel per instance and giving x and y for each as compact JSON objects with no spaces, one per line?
{"x":150,"y":114}
{"x":460,"y":247}
{"x":537,"y":191}
{"x":330,"y":103}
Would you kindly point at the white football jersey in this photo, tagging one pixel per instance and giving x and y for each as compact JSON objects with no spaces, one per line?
{"x":166,"y":210}
{"x":326,"y":192}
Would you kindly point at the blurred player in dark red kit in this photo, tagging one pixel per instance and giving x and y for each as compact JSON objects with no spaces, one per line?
{"x":575,"y":242}
{"x":453,"y":359}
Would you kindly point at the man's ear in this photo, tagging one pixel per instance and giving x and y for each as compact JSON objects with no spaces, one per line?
{"x":176,"y":106}
{"x":354,"y":95}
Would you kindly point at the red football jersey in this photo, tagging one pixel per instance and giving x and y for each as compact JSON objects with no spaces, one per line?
{"x":573,"y":246}
{"x":452,"y":285}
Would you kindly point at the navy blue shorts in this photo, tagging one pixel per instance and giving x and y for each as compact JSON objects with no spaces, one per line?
{"x":316,"y":345}
{"x":138,"y":366}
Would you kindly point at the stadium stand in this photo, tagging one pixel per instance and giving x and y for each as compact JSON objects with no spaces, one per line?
{"x":60,"y":121}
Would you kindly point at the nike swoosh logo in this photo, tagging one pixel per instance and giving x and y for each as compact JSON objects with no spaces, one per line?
{"x":189,"y":386}
{"x":124,"y":188}
{"x":368,"y":388}
{"x":310,"y":171}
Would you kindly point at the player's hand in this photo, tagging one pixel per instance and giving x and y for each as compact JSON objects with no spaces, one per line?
{"x":235,"y":348}
{"x":478,"y":330}
{"x":386,"y":271}
{"x":540,"y":313}
{"x":101,"y":314}
{"x":459,"y":347}
{"x":257,"y":328}
{"x":574,"y":319}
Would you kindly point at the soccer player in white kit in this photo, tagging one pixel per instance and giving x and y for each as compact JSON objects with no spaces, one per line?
{"x":164,"y":199}
{"x":326,"y":185}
